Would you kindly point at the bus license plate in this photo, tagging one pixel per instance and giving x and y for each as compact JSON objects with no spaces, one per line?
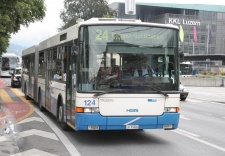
{"x":132,"y":126}
{"x":169,"y":126}
{"x":93,"y":127}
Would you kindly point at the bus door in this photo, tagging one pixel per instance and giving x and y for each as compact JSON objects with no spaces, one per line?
{"x":71,"y":85}
{"x":48,"y":80}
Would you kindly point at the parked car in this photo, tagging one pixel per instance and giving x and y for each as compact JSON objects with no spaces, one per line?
{"x":183,"y":92}
{"x":16,"y":77}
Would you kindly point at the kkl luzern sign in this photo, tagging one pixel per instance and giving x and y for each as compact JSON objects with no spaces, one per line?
{"x":183,"y":21}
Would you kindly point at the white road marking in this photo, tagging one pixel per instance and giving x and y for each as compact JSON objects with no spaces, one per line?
{"x":33,"y":152}
{"x":192,"y":100}
{"x":182,"y":117}
{"x":184,"y":133}
{"x":29,"y":133}
{"x":31,"y":119}
{"x":70,"y":147}
{"x":201,"y":100}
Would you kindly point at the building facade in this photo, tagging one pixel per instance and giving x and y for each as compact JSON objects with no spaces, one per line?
{"x":203,"y":27}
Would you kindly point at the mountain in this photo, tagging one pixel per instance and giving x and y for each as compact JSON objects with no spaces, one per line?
{"x":16,"y":49}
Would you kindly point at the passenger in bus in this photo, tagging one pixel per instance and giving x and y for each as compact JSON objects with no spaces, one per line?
{"x":64,"y":76}
{"x":101,"y":74}
{"x":115,"y":72}
{"x":170,"y":68}
{"x":57,"y":75}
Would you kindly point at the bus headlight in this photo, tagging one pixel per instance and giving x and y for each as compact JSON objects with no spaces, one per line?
{"x":91,"y":110}
{"x":185,"y":89}
{"x":87,"y":110}
{"x":171,"y":109}
{"x":95,"y":110}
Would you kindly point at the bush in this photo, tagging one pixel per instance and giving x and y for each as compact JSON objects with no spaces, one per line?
{"x":203,"y":72}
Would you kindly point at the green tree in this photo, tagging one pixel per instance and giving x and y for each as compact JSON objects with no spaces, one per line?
{"x":14,"y":13}
{"x":85,"y":9}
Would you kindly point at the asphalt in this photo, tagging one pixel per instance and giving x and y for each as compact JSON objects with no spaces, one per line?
{"x":213,"y":94}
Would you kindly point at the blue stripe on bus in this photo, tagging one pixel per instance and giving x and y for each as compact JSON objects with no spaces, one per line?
{"x":83,"y":120}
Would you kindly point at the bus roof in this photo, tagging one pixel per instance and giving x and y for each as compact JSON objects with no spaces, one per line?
{"x":29,"y":50}
{"x":97,"y":21}
{"x":9,"y":55}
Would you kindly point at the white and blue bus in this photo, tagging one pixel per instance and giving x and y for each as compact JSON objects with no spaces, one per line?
{"x":8,"y":62}
{"x":107,"y":74}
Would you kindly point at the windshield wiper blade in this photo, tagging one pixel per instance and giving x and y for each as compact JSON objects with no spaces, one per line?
{"x":127,"y":90}
{"x":159,"y":91}
{"x":111,"y":91}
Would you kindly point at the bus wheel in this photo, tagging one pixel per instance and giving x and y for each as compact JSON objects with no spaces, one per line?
{"x":63,"y":125}
{"x":12,"y":85}
{"x":25,"y":92}
{"x":41,"y":108}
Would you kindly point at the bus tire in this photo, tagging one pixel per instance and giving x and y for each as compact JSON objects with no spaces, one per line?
{"x":41,"y":108}
{"x":63,"y":125}
{"x":25,"y":92}
{"x":12,"y":85}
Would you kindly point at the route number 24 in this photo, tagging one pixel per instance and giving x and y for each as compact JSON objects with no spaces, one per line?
{"x":102,"y":35}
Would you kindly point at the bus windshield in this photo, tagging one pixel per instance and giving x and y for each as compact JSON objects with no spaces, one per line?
{"x":8,"y":63}
{"x":137,"y":58}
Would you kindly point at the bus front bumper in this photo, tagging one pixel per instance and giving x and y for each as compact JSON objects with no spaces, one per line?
{"x":94,"y":121}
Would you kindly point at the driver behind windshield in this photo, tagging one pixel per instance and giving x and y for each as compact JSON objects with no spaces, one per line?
{"x":143,"y":70}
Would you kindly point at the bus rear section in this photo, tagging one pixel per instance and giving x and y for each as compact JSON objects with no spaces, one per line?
{"x":29,"y":78}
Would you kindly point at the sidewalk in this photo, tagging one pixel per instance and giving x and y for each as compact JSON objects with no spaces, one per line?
{"x":213,"y":94}
{"x":13,"y":105}
{"x":2,"y":84}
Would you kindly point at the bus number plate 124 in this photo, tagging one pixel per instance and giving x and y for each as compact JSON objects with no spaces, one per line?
{"x":132,"y":126}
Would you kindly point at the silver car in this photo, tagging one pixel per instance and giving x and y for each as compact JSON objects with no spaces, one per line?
{"x":183,"y":92}
{"x":16,"y":77}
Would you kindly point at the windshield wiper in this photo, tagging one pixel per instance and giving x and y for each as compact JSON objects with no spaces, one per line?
{"x":111,"y":91}
{"x":159,"y":91}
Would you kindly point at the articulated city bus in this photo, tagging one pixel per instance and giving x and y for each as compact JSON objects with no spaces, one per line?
{"x":8,"y":62}
{"x":107,"y":74}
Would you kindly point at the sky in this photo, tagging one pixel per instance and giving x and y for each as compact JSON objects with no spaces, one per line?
{"x":39,"y":31}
